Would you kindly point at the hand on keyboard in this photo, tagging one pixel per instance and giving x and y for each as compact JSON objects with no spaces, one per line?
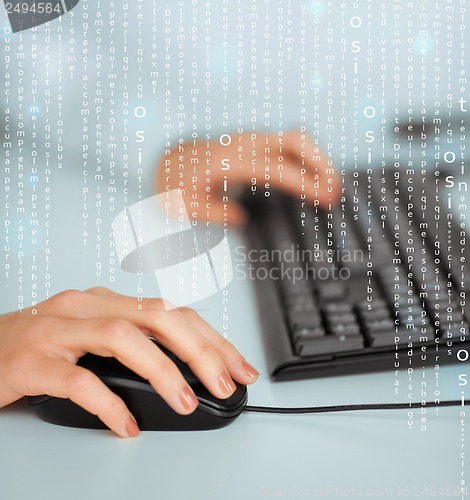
{"x":207,"y":171}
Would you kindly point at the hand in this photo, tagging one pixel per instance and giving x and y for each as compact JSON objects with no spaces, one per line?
{"x":287,"y":161}
{"x":38,"y":352}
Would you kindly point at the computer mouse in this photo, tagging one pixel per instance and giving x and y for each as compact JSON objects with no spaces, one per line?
{"x":151,"y":412}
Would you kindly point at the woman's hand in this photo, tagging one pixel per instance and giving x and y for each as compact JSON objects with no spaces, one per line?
{"x":39,"y":349}
{"x":206,"y":171}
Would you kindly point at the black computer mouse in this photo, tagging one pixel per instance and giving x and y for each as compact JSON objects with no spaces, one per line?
{"x":149,"y":409}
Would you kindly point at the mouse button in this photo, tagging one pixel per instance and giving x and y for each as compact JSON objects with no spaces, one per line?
{"x":232,"y":404}
{"x":118,"y":383}
{"x":107,"y":367}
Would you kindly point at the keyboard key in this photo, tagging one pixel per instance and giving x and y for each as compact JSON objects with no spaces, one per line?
{"x":299,"y":298}
{"x":379,"y":325}
{"x":334,"y":319}
{"x":338,"y":307}
{"x":384,"y":338}
{"x":330,"y":344}
{"x":303,"y":319}
{"x":304,"y":335}
{"x":375,"y":314}
{"x":331,"y":291}
{"x":345,"y":329}
{"x":305,"y":306}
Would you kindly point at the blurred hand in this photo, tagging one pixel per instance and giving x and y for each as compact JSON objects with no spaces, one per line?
{"x":288,"y":161}
{"x":38,"y":352}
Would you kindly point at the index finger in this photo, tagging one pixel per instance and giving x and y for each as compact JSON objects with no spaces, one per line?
{"x":301,"y":150}
{"x":65,"y":380}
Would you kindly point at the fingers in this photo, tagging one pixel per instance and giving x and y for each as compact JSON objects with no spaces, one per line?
{"x":114,"y":328}
{"x":305,"y":171}
{"x":224,"y":213}
{"x":41,"y":358}
{"x":236,"y":364}
{"x":173,"y":330}
{"x":65,"y":380}
{"x":124,"y":341}
{"x":213,"y":359}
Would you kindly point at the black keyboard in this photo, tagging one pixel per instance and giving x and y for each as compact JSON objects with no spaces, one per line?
{"x":376,"y":282}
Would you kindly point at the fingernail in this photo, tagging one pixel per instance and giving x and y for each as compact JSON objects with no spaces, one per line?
{"x":249,"y":370}
{"x":132,"y":428}
{"x":226,"y":382}
{"x":188,"y":399}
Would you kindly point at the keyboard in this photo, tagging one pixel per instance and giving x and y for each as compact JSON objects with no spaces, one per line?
{"x":376,"y":282}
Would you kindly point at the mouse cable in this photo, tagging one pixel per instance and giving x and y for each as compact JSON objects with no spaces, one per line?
{"x":355,"y":407}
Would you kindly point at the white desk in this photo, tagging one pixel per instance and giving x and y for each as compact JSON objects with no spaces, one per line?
{"x":359,"y":455}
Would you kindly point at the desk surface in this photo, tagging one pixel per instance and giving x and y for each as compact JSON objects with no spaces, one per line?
{"x":358,"y":455}
{"x":361,"y":455}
